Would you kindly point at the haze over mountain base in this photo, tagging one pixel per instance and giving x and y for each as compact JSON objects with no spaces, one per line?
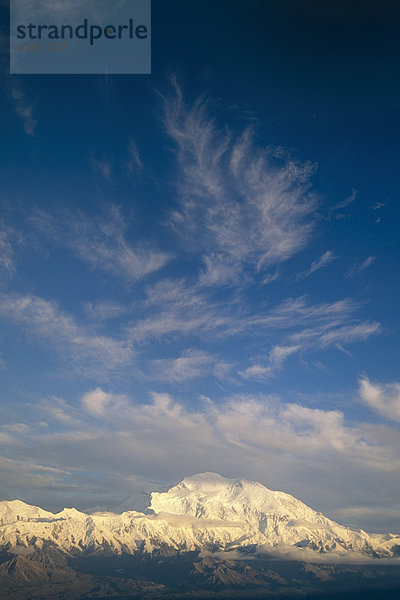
{"x":207,"y":537}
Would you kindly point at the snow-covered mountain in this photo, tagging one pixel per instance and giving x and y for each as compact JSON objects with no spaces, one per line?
{"x":206,"y":513}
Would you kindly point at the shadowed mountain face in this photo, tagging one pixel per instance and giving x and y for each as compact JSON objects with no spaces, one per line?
{"x":207,"y":537}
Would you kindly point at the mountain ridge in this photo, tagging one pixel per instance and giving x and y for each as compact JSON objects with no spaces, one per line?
{"x":206,"y":513}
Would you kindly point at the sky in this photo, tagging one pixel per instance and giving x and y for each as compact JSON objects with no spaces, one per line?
{"x":199,"y":268}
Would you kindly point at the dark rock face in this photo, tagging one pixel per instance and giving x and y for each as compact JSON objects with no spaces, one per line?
{"x":51,"y":575}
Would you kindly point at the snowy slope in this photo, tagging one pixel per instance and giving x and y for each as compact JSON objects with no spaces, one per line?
{"x":205,"y":512}
{"x":211,"y":496}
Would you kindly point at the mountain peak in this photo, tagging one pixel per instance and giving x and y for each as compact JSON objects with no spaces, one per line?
{"x":208,"y":482}
{"x":211,"y":496}
{"x":11,"y":510}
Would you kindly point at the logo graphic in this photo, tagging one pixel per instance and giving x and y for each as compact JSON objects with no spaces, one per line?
{"x":85,"y":36}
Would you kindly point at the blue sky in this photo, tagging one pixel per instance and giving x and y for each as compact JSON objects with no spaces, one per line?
{"x":199,"y":267}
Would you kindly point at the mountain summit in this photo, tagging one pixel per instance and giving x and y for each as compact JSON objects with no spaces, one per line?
{"x":205,"y":512}
{"x":211,"y":496}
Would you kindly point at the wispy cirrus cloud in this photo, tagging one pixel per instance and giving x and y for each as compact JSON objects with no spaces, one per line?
{"x":105,"y":310}
{"x":102,"y":166}
{"x":243,"y":206}
{"x":358,"y":267}
{"x":335,"y":211}
{"x":102,"y":243}
{"x":315,"y":326}
{"x":217,"y":271}
{"x":42,"y":320}
{"x":134,"y":162}
{"x":324,"y":260}
{"x":24,"y":108}
{"x":307,"y":328}
{"x":382,"y":398}
{"x":276,"y":360}
{"x":175,"y":308}
{"x":334,"y":333}
{"x":192,"y":364}
{"x":312,"y":339}
{"x":349,"y":333}
{"x":8,"y":238}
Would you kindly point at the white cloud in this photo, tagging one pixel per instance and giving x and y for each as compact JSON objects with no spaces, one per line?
{"x":299,"y":311}
{"x":322,"y":424}
{"x":279,"y":353}
{"x":259,"y":372}
{"x":174,"y":307}
{"x":7,"y":237}
{"x":277,"y":357}
{"x":58,"y":410}
{"x":102,"y":243}
{"x":239,"y":205}
{"x":349,"y":333}
{"x":134,"y":162}
{"x":343,"y":204}
{"x":382,"y":398}
{"x":23,"y":108}
{"x":328,"y":329}
{"x":270,"y":277}
{"x":177,"y":309}
{"x":103,"y":166}
{"x":244,"y":421}
{"x":359,"y":267}
{"x":105,"y":310}
{"x":90,"y":354}
{"x":21,"y":428}
{"x":97,"y":402}
{"x":334,"y":333}
{"x":323,"y":261}
{"x":218,"y":271}
{"x":254,"y":422}
{"x":191,"y":365}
